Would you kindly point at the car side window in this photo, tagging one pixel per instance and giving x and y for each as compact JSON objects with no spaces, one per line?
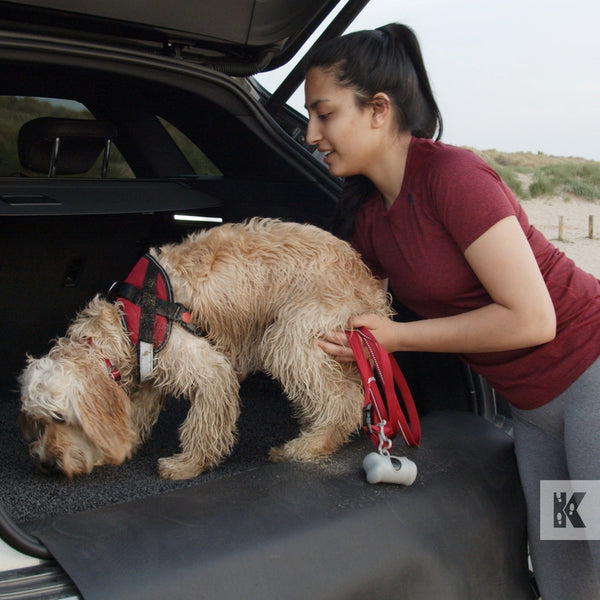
{"x":17,"y":111}
{"x":200,"y":163}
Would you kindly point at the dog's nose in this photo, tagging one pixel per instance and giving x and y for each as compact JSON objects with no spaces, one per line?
{"x":45,"y":462}
{"x":48,"y":465}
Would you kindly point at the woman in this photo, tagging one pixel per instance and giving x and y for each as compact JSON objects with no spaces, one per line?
{"x":443,"y":230}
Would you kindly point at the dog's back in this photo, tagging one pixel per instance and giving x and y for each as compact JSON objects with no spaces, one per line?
{"x":238,"y":279}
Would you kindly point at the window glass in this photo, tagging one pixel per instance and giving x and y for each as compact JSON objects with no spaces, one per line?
{"x":201,"y":164}
{"x":15,"y":111}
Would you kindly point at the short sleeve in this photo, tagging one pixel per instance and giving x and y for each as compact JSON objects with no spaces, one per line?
{"x":469,"y":197}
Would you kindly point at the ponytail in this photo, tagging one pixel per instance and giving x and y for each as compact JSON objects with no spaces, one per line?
{"x":423,"y":117}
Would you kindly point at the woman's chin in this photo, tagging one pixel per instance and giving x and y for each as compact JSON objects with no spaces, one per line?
{"x":336,"y":170}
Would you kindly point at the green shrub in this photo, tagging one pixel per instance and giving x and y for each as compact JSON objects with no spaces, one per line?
{"x":578,"y":179}
{"x":541,"y":186}
{"x":550,"y":175}
{"x":510,"y":178}
{"x":586,"y":190}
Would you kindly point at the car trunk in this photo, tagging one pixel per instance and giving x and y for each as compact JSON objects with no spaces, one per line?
{"x":249,"y":528}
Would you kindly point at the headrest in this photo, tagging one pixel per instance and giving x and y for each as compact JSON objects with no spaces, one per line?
{"x":63,"y":146}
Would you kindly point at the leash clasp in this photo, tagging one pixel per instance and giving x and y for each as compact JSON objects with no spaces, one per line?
{"x":385,"y":444}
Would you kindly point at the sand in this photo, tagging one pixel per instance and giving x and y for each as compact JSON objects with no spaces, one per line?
{"x":544,"y":214}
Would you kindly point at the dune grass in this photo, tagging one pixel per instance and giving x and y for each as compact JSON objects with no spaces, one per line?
{"x":532,"y":175}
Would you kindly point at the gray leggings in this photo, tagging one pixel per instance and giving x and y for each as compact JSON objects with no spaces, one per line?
{"x":561,"y":440}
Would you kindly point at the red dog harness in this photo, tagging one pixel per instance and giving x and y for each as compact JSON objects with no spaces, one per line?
{"x":148,"y":310}
{"x":384,"y":416}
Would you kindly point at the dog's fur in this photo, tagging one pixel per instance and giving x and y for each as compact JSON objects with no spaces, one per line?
{"x":263,"y":292}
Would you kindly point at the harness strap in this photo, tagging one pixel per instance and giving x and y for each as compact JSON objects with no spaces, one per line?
{"x":384,"y":416}
{"x":174,"y":311}
{"x":147,"y":306}
{"x":111,"y":370}
{"x":148,"y":311}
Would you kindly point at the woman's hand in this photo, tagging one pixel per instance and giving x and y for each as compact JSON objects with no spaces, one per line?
{"x":336,"y":343}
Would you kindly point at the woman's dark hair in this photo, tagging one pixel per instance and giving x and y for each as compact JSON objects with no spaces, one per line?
{"x":387,"y":59}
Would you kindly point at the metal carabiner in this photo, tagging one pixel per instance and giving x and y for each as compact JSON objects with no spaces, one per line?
{"x":385,"y":444}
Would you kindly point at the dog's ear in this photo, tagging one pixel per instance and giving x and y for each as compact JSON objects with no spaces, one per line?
{"x":104,"y":416}
{"x":27,"y":426}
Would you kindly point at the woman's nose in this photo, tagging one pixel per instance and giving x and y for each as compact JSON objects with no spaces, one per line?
{"x":312,"y":134}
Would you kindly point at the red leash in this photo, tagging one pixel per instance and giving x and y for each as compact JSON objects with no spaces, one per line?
{"x":384,"y":417}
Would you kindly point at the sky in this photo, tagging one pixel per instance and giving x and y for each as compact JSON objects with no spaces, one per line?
{"x":510,"y":75}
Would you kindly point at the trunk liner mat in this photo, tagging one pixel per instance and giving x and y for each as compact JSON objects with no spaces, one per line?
{"x":317,"y":530}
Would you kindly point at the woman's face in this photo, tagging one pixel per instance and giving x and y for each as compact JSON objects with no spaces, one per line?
{"x":339,"y":128}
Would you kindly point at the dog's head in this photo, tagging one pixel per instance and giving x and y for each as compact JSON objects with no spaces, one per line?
{"x":73,"y":414}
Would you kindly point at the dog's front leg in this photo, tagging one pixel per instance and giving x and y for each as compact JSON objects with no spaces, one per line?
{"x":207,"y":379}
{"x":146,"y":403}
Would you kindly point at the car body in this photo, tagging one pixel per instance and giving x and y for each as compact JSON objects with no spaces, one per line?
{"x":190,"y":140}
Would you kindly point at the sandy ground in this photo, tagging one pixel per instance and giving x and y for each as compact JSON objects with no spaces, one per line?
{"x":544,"y":214}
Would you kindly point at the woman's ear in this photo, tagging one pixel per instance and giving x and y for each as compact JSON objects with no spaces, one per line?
{"x":381,"y":108}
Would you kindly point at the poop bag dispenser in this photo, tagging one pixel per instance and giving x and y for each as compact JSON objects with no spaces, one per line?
{"x":383,"y":468}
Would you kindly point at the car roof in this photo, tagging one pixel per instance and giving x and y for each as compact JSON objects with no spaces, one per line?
{"x":241,"y":37}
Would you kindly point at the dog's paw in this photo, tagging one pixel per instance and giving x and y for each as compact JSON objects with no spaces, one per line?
{"x":299,"y":449}
{"x":177,"y":467}
{"x":277,"y":454}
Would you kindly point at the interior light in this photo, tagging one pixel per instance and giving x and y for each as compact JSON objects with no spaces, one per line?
{"x":197,"y":218}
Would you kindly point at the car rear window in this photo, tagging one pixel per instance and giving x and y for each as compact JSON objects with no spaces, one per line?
{"x":17,"y":111}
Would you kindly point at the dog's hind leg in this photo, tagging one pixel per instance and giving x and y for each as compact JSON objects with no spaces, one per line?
{"x":327,"y":398}
{"x":193,"y":369}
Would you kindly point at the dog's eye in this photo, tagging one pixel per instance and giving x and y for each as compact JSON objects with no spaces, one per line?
{"x":57,"y":417}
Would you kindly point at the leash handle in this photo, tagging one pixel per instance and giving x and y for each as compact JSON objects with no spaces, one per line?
{"x":389,"y":414}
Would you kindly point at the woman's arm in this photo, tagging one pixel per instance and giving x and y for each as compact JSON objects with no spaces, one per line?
{"x":521,"y":314}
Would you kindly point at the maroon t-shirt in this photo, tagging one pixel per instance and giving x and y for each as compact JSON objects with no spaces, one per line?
{"x":449,"y":198}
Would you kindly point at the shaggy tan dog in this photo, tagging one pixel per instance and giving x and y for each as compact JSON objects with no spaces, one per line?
{"x":262,"y":292}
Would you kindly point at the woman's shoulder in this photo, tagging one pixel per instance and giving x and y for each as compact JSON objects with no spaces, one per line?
{"x":438,"y":164}
{"x":439,"y":154}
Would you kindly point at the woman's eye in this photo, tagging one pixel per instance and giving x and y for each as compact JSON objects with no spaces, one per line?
{"x":323,"y":117}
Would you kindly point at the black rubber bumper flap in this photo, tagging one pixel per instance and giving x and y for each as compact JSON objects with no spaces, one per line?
{"x":318,"y":531}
